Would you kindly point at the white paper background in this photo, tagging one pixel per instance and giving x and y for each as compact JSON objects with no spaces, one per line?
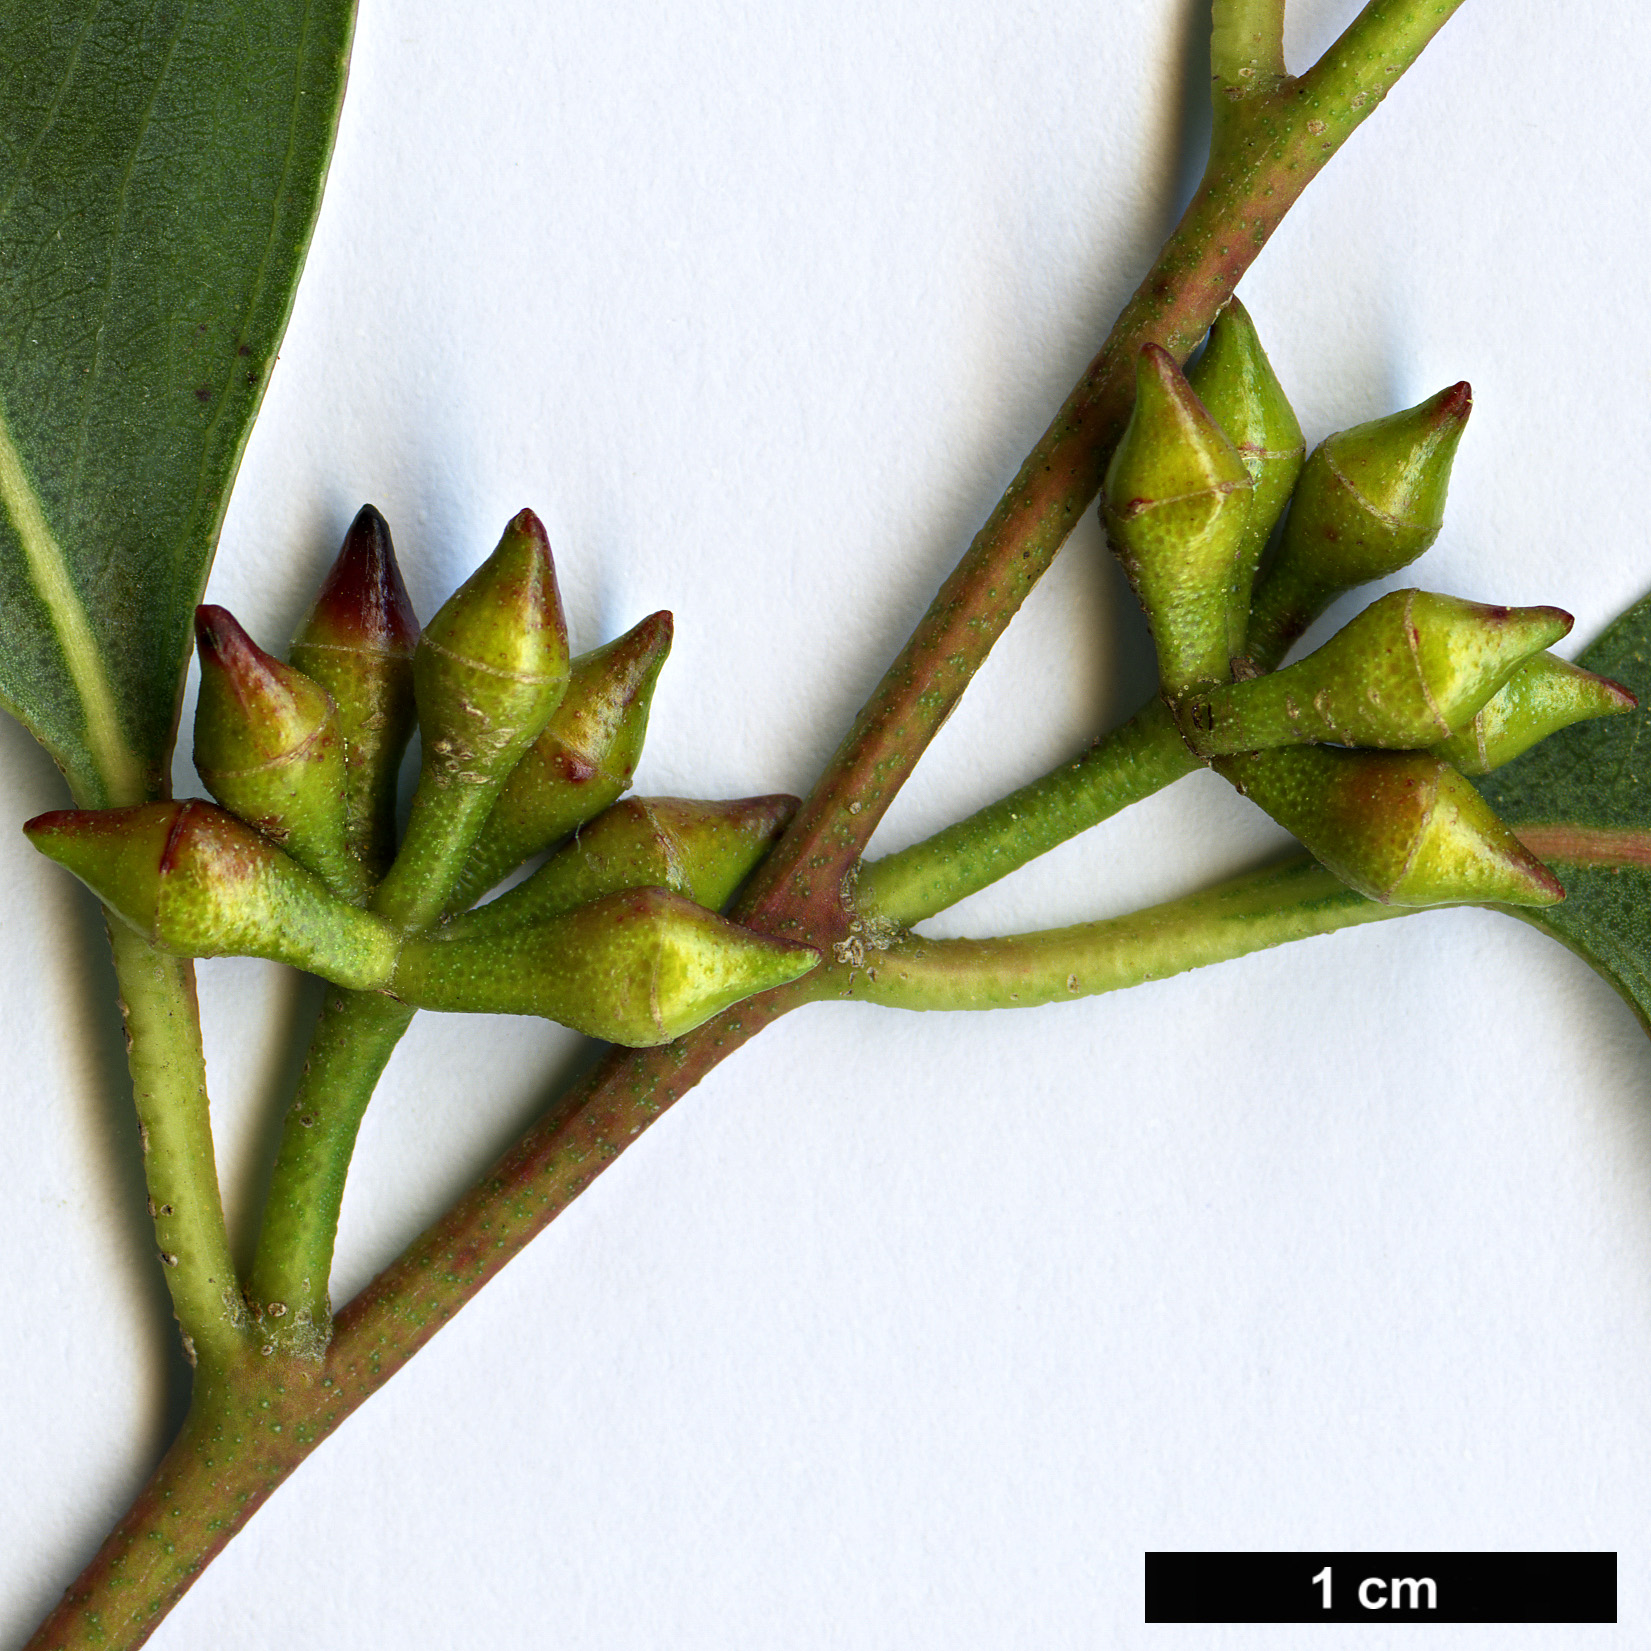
{"x":903,"y":1331}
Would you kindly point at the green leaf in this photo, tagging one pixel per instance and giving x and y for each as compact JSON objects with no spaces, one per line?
{"x":160,"y":170}
{"x":1582,"y":798}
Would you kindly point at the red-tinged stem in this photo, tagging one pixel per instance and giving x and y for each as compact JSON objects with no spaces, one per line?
{"x":530,"y":1186}
{"x":254,"y":1419}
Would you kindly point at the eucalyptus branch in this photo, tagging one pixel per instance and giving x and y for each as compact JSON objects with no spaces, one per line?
{"x":1262,"y":156}
{"x":251,"y":1424}
{"x":255,"y":1417}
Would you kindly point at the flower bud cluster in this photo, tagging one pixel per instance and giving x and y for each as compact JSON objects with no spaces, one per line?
{"x":521,"y":747}
{"x":1360,"y":748}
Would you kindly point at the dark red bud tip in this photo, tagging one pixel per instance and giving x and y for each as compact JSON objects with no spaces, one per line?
{"x":1625,"y":697}
{"x":363,"y":602}
{"x":634,"y":660}
{"x":222,"y":641}
{"x":1455,"y":403}
{"x":57,"y":821}
{"x":1546,"y":881}
{"x":527,"y":522}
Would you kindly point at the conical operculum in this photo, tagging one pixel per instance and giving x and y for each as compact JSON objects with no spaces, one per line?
{"x":637,"y":968}
{"x":1406,"y":673}
{"x":489,"y":672}
{"x":357,"y":642}
{"x":700,"y":850}
{"x":492,"y":666}
{"x":1369,"y":502}
{"x":1237,"y":385}
{"x":1543,"y":695}
{"x":196,"y":881}
{"x":1399,"y":826}
{"x":582,"y":762}
{"x":1175,"y":502}
{"x":269,"y":748}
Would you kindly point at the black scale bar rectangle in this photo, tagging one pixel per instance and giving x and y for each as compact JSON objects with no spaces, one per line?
{"x":1381,"y":1587}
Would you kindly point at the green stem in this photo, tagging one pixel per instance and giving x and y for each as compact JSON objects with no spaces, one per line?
{"x":246,"y":1421}
{"x":352,"y":1044}
{"x":1265,"y":151}
{"x":1246,"y":49}
{"x":163,"y":1029}
{"x":1249,"y":914}
{"x":1373,"y":51}
{"x":1129,"y":764}
{"x":432,"y":855}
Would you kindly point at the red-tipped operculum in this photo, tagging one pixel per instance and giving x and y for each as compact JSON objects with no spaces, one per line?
{"x":580,"y":764}
{"x":1406,"y":673}
{"x":269,"y":748}
{"x":1542,"y":696}
{"x":1369,"y":502}
{"x":196,"y":881}
{"x":357,"y":642}
{"x":1399,"y":826}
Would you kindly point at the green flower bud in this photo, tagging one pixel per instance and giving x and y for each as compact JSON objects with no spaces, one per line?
{"x":702,"y":851}
{"x":1369,"y":502}
{"x":1175,"y":502}
{"x":489,"y":672}
{"x":639,"y":967}
{"x":197,"y":882}
{"x":358,"y":642}
{"x":1235,"y":381}
{"x":268,"y":747}
{"x":580,"y":764}
{"x":1542,"y":696}
{"x":1411,"y":668}
{"x":492,"y":666}
{"x":1399,"y":826}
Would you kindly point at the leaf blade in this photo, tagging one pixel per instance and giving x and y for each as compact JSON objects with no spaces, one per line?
{"x":1582,"y":798}
{"x":160,"y":173}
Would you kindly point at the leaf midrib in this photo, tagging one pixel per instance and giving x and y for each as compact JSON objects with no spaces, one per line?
{"x":112,"y":758}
